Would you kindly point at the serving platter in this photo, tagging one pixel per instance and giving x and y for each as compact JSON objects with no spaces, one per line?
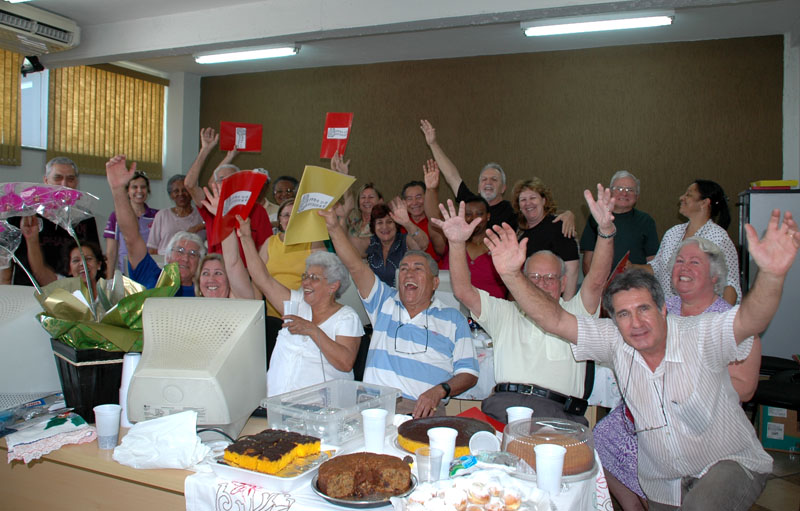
{"x":377,"y":501}
{"x":291,"y":477}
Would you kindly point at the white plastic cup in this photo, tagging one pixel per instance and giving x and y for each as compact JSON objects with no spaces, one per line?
{"x":549,"y":467}
{"x":483,"y":441}
{"x":429,"y":464}
{"x":129,"y":363}
{"x":290,"y":307}
{"x":107,"y":422}
{"x":444,"y":439}
{"x":374,"y":429}
{"x":518,"y":413}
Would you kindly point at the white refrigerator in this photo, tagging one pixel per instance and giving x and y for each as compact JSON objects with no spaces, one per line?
{"x":782,"y":337}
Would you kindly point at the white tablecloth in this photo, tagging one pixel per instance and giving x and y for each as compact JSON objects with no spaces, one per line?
{"x":206,"y":492}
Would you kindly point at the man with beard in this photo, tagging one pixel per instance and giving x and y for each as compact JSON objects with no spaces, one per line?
{"x":491,"y":181}
{"x":185,"y":248}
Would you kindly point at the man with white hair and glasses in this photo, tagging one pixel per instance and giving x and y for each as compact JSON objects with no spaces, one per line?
{"x":636,"y":230}
{"x":418,"y":345}
{"x":697,"y":449}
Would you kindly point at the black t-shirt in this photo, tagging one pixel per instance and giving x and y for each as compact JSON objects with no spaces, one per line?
{"x":54,"y":241}
{"x":501,"y":212}
{"x":547,"y":235}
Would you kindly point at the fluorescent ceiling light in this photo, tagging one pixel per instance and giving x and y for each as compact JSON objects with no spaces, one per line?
{"x":17,"y":1}
{"x":245,"y":54}
{"x":579,"y":24}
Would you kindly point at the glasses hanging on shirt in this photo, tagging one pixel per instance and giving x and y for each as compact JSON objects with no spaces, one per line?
{"x":410,"y":346}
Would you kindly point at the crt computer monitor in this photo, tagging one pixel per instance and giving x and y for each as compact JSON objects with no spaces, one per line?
{"x":202,"y":354}
{"x":27,"y":367}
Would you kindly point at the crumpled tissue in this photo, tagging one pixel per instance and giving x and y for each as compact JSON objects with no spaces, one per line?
{"x":166,"y":442}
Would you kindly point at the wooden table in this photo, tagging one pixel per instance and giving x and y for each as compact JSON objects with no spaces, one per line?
{"x":86,"y":478}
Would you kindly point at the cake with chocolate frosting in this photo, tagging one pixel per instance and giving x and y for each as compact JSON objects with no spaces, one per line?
{"x":271,"y":450}
{"x":413,"y":434}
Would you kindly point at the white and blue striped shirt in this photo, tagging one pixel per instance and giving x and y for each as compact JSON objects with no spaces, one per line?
{"x":415,"y":354}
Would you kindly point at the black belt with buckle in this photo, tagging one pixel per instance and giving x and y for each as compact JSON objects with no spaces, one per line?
{"x":573,"y":405}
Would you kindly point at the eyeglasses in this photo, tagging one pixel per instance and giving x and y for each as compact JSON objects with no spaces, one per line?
{"x":547,"y":278}
{"x":626,"y":189}
{"x":182,"y":251}
{"x":410,"y":346}
{"x":311,"y":276}
{"x":660,"y":395}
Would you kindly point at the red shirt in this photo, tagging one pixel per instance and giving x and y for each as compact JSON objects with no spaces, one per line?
{"x":259,"y":225}
{"x":423,"y":224}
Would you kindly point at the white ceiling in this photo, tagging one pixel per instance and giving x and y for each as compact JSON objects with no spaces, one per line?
{"x":163,"y":34}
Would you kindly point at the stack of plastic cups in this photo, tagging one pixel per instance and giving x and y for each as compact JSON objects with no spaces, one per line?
{"x":129,"y":363}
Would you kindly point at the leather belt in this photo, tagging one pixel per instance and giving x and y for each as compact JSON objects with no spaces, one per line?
{"x":531,"y":390}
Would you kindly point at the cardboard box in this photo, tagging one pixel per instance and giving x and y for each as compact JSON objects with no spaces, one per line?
{"x":779,"y":429}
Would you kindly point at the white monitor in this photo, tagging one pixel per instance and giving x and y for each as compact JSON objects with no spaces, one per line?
{"x":202,"y":354}
{"x":27,"y":367}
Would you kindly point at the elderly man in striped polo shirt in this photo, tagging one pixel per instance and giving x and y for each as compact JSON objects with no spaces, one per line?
{"x":697,"y":450}
{"x":418,"y":345}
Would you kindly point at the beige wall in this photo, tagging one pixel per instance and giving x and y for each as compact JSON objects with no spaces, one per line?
{"x":669,"y":113}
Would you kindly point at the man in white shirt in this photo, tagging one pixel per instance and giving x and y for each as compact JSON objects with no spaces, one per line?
{"x":697,"y":450}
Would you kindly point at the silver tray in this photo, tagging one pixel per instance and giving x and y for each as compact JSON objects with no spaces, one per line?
{"x":361,"y":504}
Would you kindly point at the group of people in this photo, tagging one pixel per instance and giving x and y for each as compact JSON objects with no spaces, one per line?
{"x":680,"y":338}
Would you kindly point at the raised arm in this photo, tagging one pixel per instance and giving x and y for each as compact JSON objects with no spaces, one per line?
{"x":508,"y":254}
{"x":431,"y":176}
{"x":118,"y":176}
{"x":238,"y":278}
{"x":29,"y":225}
{"x":603,"y":256}
{"x":362,"y":275}
{"x":458,"y":231}
{"x":774,"y":255}
{"x":275,"y":292}
{"x":416,"y":239}
{"x":208,"y":140}
{"x":448,"y":168}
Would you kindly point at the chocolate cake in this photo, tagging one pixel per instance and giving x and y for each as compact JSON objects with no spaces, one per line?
{"x":413,"y":434}
{"x":363,"y":474}
{"x":271,"y":450}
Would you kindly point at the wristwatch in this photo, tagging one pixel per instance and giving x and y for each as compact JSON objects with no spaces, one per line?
{"x":446,"y":388}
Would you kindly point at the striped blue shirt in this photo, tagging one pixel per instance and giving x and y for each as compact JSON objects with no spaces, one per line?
{"x":414,"y":354}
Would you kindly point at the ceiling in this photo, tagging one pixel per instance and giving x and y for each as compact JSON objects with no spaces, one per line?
{"x":163,"y":34}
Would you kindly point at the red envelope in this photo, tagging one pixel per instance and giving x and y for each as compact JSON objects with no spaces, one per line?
{"x":237,"y":197}
{"x":336,"y":134}
{"x":245,"y":138}
{"x":475,"y":413}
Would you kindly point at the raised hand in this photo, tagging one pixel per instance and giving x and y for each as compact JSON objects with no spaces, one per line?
{"x":508,"y":254}
{"x":331,"y":219}
{"x":243,"y":231}
{"x":229,"y":156}
{"x":601,"y":208}
{"x":453,"y":224}
{"x":29,"y":225}
{"x":339,"y":165}
{"x":208,"y":138}
{"x":117,"y":173}
{"x":429,"y":131}
{"x":398,"y":211}
{"x":211,"y":202}
{"x":431,"y":172}
{"x":776,"y":251}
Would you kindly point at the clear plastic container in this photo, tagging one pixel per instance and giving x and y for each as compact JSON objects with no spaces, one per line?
{"x":330,"y":411}
{"x":521,"y":437}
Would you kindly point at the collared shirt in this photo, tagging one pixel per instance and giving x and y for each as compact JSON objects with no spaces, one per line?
{"x":524,"y":353}
{"x":690,"y":394}
{"x":674,"y":237}
{"x":414,"y":354}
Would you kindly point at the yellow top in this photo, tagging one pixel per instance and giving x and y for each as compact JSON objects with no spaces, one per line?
{"x":286,"y":264}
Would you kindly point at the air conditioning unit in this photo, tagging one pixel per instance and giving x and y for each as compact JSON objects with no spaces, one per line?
{"x":32,"y":31}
